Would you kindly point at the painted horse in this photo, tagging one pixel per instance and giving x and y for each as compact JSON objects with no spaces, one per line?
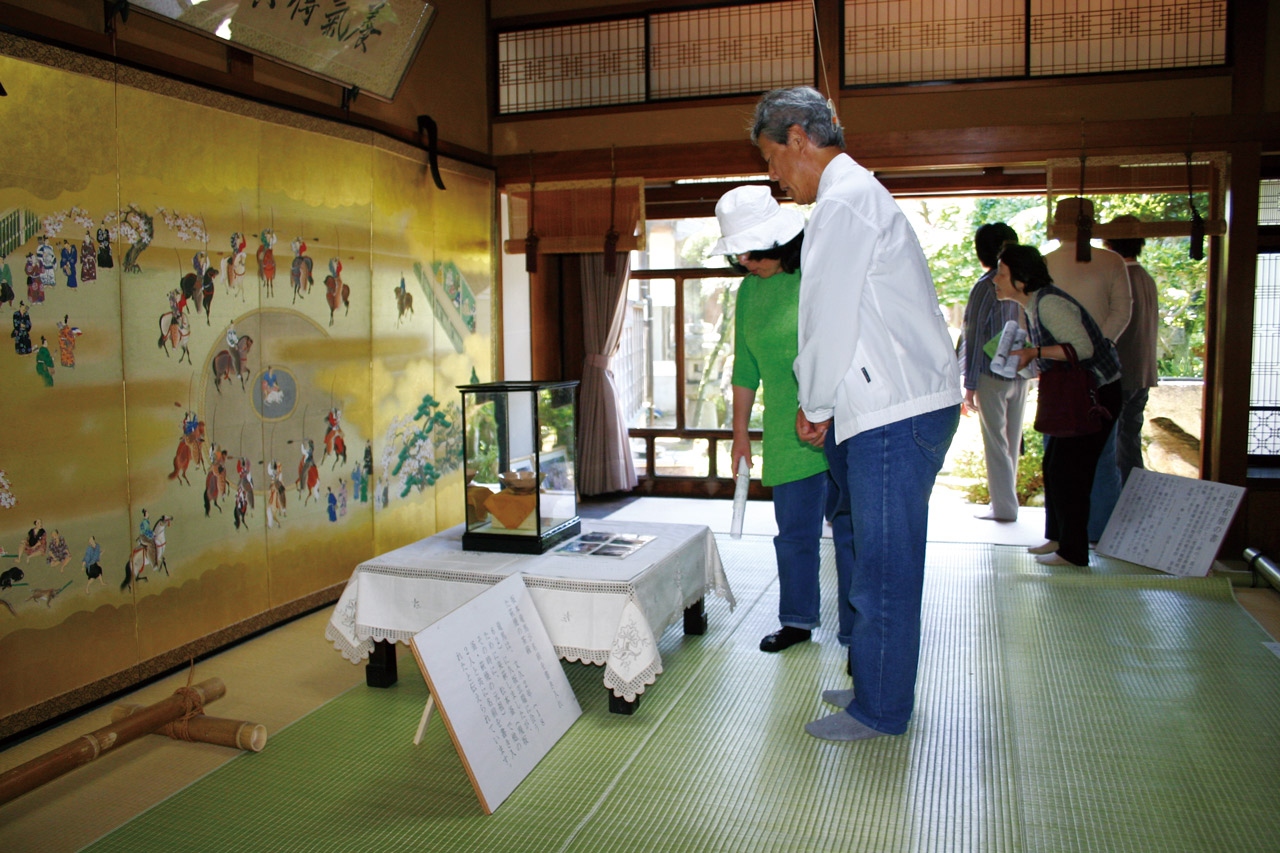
{"x":276,"y":501}
{"x":190,"y":447}
{"x":404,"y":302}
{"x":227,"y":364}
{"x":338,"y":444}
{"x":142,"y":554}
{"x":308,"y":480}
{"x":300,"y":270}
{"x":335,"y":291}
{"x":174,"y":334}
{"x":215,"y":485}
{"x":267,"y":261}
{"x":232,"y":269}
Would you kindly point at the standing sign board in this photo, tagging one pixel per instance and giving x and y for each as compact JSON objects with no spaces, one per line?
{"x":498,"y":684}
{"x":1173,"y":524}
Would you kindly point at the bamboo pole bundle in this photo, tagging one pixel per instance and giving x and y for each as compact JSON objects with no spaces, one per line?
{"x":219,"y":731}
{"x":184,"y":702}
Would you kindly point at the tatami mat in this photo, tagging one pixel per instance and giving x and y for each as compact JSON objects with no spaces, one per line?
{"x":1108,"y":709}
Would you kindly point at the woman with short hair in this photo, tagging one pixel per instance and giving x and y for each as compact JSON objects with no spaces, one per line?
{"x":1055,"y":319}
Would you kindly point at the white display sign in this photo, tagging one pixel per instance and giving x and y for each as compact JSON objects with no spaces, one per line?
{"x":1173,"y":524}
{"x":497,"y":683}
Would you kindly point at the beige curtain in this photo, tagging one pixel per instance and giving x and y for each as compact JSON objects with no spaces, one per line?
{"x":604,"y":453}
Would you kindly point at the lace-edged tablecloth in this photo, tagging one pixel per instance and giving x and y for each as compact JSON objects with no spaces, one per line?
{"x":599,"y":610}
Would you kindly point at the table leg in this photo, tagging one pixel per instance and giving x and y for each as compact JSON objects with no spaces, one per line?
{"x":380,"y":671}
{"x":695,"y":619}
{"x":618,"y":705}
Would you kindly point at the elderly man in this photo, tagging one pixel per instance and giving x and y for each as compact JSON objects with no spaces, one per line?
{"x":879,"y":387}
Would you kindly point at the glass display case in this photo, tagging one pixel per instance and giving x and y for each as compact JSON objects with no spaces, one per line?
{"x":519,"y":455}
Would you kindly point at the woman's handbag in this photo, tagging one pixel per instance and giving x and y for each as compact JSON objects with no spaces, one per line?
{"x":1068,"y":400}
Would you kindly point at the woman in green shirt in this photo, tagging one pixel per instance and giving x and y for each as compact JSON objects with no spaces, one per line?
{"x":763,"y":240}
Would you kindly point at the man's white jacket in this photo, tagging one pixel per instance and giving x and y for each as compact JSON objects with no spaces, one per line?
{"x":873,"y":344}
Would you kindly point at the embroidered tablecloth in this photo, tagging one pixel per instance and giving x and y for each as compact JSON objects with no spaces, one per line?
{"x":599,"y":610}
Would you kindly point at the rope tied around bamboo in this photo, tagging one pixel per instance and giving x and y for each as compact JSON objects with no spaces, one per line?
{"x":186,"y":701}
{"x":194,"y":707}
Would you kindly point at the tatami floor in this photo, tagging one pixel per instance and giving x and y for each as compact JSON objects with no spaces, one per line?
{"x":285,"y":675}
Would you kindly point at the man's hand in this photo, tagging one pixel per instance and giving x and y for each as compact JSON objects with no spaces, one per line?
{"x":970,"y":401}
{"x":809,"y":432}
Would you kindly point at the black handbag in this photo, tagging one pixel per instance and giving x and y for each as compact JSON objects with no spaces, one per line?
{"x":1068,"y":400}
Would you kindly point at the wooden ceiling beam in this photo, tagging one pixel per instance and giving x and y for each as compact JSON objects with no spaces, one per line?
{"x":956,"y":147}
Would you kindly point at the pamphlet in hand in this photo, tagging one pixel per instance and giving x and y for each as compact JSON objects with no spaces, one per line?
{"x":605,"y":544}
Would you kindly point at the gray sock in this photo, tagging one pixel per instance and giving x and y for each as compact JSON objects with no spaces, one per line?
{"x":839,"y":698}
{"x":841,"y":726}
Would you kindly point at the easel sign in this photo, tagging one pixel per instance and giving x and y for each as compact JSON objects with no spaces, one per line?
{"x":1173,"y":524}
{"x":497,"y":682}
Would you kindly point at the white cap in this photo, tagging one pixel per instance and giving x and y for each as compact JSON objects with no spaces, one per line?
{"x":751,"y":221}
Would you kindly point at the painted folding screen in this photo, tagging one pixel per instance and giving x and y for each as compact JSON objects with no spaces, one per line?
{"x":253,"y":325}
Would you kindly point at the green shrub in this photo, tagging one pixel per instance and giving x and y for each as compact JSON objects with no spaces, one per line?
{"x":1030,"y":479}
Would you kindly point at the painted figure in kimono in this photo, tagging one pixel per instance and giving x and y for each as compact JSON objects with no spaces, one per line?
{"x":68,"y":262}
{"x":104,"y":249}
{"x":6,"y":281}
{"x":332,"y":501}
{"x":21,"y":333}
{"x":342,"y":497}
{"x":93,"y":563}
{"x":35,"y":278}
{"x":368,"y":471}
{"x":88,"y":260}
{"x":44,"y":363}
{"x":59,"y":554}
{"x":67,"y":335}
{"x":35,"y":543}
{"x":357,"y":483}
{"x":267,"y":260}
{"x":271,"y":393}
{"x":147,"y":537}
{"x":48,"y":262}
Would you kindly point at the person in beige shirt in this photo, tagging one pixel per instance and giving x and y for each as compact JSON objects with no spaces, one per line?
{"x":1101,"y":286}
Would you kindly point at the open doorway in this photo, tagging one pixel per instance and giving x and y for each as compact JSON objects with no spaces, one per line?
{"x":673,"y":367}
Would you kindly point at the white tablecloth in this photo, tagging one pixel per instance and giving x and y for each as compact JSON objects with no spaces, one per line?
{"x":599,"y":610}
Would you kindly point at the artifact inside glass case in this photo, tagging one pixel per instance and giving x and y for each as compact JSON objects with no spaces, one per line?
{"x":518,"y":454}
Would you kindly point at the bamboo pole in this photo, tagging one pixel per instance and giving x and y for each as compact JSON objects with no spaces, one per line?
{"x":219,"y":731}
{"x":84,"y":749}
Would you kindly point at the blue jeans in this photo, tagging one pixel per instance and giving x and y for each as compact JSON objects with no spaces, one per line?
{"x":1106,"y":489}
{"x":797,"y":507}
{"x":880,"y":524}
{"x":1129,"y":431}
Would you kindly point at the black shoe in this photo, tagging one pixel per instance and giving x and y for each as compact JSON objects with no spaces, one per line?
{"x":784,"y":639}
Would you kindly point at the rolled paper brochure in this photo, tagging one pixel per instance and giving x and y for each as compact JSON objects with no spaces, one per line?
{"x":740,"y":498}
{"x":1011,"y":338}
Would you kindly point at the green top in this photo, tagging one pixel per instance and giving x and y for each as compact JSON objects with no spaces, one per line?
{"x":764,"y":349}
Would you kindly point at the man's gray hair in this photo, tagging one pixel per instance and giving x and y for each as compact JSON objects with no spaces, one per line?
{"x":778,"y":109}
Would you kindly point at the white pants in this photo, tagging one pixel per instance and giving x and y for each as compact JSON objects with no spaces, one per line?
{"x":1000,"y":403}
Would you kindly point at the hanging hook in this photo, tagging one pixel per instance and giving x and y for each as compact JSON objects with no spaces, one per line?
{"x":531,"y":239}
{"x":611,"y":236}
{"x":1084,"y":222}
{"x":1196,"y":249}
